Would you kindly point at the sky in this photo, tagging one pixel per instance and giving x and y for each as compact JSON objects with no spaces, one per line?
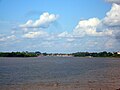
{"x":60,"y":26}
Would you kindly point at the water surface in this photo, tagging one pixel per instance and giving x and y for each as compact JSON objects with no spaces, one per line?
{"x":44,"y":69}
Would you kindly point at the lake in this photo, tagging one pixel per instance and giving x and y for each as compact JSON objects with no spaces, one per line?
{"x":52,"y":69}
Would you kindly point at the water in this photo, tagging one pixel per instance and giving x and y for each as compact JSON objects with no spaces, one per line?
{"x":44,"y":69}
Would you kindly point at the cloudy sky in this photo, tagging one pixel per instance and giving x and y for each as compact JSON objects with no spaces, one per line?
{"x":60,"y":25}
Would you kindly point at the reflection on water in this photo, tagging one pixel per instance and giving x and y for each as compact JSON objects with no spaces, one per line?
{"x":42,"y":69}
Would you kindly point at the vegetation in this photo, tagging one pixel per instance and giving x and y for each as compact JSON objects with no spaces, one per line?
{"x":77,"y":54}
{"x":95,"y":54}
{"x":18,"y":54}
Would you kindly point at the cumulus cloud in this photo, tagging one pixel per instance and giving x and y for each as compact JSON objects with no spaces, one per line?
{"x":112,"y":20}
{"x":114,"y":1}
{"x":43,"y":22}
{"x":89,"y":28}
{"x":92,"y":22}
{"x":113,"y":16}
{"x":108,"y":26}
{"x":35,"y":34}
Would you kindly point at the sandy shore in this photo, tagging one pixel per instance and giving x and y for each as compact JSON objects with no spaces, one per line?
{"x":104,"y":79}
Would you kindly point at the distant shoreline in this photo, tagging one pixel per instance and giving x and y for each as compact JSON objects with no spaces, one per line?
{"x":77,"y":54}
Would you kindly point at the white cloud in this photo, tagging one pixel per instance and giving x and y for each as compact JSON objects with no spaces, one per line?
{"x":109,"y":25}
{"x":7,"y":38}
{"x":86,"y":27}
{"x":112,"y":20}
{"x":35,"y":34}
{"x":89,"y":27}
{"x":92,"y":22}
{"x":114,"y":1}
{"x":43,"y":22}
{"x":29,"y":23}
{"x":113,"y":16}
{"x":64,"y":35}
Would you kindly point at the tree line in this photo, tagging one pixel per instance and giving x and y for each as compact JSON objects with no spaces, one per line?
{"x":19,"y":54}
{"x":77,"y":54}
{"x":95,"y":54}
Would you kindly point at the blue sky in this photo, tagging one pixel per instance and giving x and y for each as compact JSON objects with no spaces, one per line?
{"x":59,"y":25}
